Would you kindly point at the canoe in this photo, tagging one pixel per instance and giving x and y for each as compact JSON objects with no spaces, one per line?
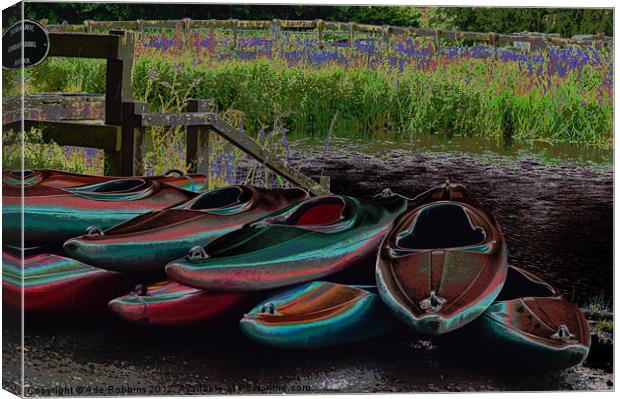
{"x":307,"y":241}
{"x":151,"y":240}
{"x":171,"y":304}
{"x":53,"y":283}
{"x":56,"y":178}
{"x":52,"y":215}
{"x":318,"y":314}
{"x":531,"y":325}
{"x":443,"y":263}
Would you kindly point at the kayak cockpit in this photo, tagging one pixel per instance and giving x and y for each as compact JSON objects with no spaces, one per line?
{"x":521,"y":284}
{"x":221,"y":198}
{"x":319,"y":212}
{"x":443,"y":225}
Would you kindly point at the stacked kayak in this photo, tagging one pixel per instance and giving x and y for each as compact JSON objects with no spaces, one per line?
{"x":170,"y":303}
{"x":443,"y":263}
{"x":530,"y":324}
{"x":53,"y":283}
{"x":52,"y":214}
{"x":56,"y":178}
{"x":151,"y":240}
{"x":311,"y":240}
{"x":318,"y":314}
{"x":439,"y":260}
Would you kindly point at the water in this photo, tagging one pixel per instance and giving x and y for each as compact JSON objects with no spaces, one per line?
{"x":554,"y":203}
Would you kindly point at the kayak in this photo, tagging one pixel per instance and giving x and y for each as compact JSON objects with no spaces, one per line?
{"x":53,"y":283}
{"x":170,"y":303}
{"x":531,"y":325}
{"x":52,"y":215}
{"x":151,"y":240}
{"x":443,"y":263}
{"x":319,"y":314}
{"x":307,"y":241}
{"x":60,"y":179}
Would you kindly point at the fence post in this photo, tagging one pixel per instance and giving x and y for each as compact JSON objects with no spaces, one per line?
{"x":140,"y":24}
{"x":351,"y":27}
{"x":133,"y":140}
{"x":187,"y":27}
{"x":493,"y":42}
{"x":319,"y":31}
{"x":275,"y":31}
{"x":235,"y":30}
{"x":385,"y":34}
{"x":88,"y":26}
{"x":598,"y":44}
{"x":197,"y":145}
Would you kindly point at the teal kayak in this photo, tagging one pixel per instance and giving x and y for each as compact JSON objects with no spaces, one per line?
{"x":307,"y":241}
{"x":318,"y":314}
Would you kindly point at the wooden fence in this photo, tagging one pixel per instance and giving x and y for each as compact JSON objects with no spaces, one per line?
{"x":118,"y":125}
{"x":321,"y":27}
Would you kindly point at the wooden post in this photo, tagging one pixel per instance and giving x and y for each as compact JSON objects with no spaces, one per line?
{"x":276,"y":31}
{"x":140,"y":24}
{"x":118,"y":77}
{"x":88,"y":26}
{"x":437,"y":45}
{"x":319,"y":31}
{"x":385,"y":34}
{"x":197,"y":144}
{"x":598,"y":44}
{"x":351,"y":27}
{"x":235,"y":31}
{"x":493,"y":42}
{"x":133,"y":140}
{"x":187,"y":27}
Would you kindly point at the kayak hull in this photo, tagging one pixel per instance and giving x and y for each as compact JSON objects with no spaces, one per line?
{"x":319,"y":314}
{"x":151,"y":240}
{"x":439,"y":286}
{"x":57,"y":284}
{"x":60,"y":179}
{"x":530,"y":325}
{"x":52,"y":215}
{"x":502,"y":328}
{"x":266,"y":255}
{"x":172,"y":304}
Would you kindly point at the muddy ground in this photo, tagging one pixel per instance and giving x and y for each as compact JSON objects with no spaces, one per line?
{"x":557,"y":221}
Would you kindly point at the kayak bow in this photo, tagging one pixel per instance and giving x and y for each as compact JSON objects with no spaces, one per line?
{"x":57,"y":284}
{"x":170,"y":303}
{"x":318,"y":314}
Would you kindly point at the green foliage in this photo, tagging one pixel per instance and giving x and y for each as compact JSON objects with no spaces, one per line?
{"x":451,"y":100}
{"x":68,"y":75}
{"x":606,"y":326}
{"x":38,"y":154}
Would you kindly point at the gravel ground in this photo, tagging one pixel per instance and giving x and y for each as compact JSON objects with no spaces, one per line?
{"x":557,"y":220}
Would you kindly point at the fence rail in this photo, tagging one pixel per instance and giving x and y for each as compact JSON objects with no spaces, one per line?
{"x":320,"y":27}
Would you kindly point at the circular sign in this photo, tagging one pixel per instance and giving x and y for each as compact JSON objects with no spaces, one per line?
{"x":36,"y":45}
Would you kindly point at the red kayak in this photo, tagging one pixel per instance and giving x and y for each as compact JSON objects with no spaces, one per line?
{"x":151,"y":240}
{"x":170,"y":303}
{"x":54,"y":283}
{"x":52,"y":215}
{"x":60,"y":179}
